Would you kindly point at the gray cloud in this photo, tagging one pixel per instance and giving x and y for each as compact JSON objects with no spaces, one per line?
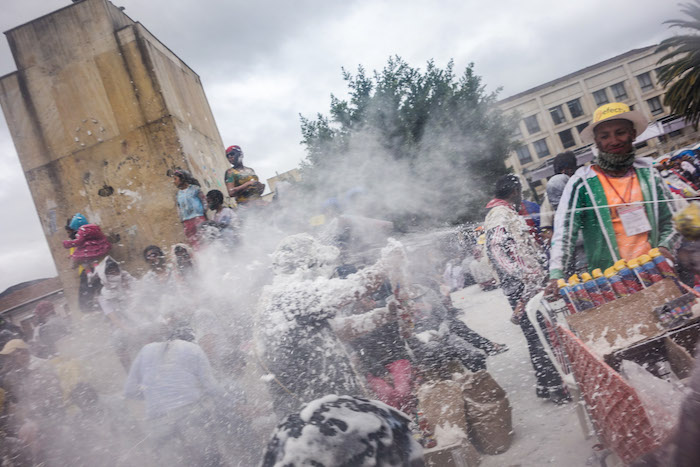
{"x":264,"y":63}
{"x":227,"y":39}
{"x":24,"y":254}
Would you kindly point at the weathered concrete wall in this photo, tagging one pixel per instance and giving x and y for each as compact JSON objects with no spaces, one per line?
{"x":100,"y":113}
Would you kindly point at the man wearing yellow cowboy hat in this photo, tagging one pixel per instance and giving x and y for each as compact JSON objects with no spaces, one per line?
{"x":619,"y":203}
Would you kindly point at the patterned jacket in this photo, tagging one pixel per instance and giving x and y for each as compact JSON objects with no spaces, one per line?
{"x":511,"y":248}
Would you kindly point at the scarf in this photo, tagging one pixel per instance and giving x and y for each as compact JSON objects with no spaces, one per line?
{"x":615,"y":162}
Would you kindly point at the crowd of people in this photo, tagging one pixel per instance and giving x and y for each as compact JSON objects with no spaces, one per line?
{"x":617,"y":208}
{"x":219,"y":355}
{"x":223,"y":339}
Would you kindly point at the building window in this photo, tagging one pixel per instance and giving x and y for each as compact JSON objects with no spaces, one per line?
{"x":536,"y":183}
{"x":531,"y":124}
{"x":619,"y":91}
{"x":657,"y":72}
{"x":524,"y":155}
{"x":567,"y":138}
{"x":575,"y":108}
{"x":645,"y":81}
{"x":581,"y":127}
{"x":541,"y":148}
{"x":655,"y":106}
{"x":675,"y":133}
{"x":557,"y":115}
{"x":517,"y":134}
{"x":601,"y":97}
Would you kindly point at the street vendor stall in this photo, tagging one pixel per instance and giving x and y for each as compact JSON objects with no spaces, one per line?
{"x":628,"y":358}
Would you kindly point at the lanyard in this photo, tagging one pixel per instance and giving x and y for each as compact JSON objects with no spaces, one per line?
{"x":628,"y":190}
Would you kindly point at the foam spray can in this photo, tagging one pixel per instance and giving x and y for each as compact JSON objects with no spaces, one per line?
{"x":603,"y":285}
{"x":592,"y":289}
{"x":566,"y":295}
{"x":616,"y":283}
{"x":650,"y":268}
{"x":427,"y":435}
{"x":583,"y":300}
{"x":661,"y":264}
{"x":628,"y":277}
{"x":639,"y":272}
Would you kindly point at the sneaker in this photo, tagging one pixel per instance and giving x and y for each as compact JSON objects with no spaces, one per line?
{"x":559,"y":395}
{"x":542,"y":392}
{"x":498,"y":348}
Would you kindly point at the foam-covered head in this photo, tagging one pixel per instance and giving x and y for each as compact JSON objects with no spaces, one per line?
{"x":344,"y":430}
{"x":301,"y":251}
{"x":506,"y":186}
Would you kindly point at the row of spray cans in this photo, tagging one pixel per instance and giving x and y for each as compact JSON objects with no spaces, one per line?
{"x":620,"y":280}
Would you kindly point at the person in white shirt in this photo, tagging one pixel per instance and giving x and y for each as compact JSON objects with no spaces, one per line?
{"x":453,"y":277}
{"x":174,"y":378}
{"x":225,"y":218}
{"x":688,"y":166}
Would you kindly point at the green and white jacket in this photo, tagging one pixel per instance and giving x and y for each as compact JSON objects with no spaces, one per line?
{"x":584,"y":207}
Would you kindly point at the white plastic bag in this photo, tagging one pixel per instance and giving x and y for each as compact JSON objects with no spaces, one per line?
{"x":661,"y":399}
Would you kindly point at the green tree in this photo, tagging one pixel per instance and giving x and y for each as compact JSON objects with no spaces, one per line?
{"x":425,"y":146}
{"x":681,"y":74}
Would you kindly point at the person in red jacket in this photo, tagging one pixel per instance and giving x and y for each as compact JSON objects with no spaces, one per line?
{"x":90,"y":245}
{"x":86,"y":249}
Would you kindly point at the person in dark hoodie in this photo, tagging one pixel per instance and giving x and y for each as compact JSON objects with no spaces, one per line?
{"x":564,"y":166}
{"x":519,"y":263}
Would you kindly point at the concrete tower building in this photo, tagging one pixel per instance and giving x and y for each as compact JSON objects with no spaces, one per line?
{"x":101,"y":112}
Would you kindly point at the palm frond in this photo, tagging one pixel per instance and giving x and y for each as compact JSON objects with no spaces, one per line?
{"x":679,"y":72}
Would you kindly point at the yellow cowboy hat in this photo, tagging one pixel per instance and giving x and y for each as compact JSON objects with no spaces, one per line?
{"x":614,"y":111}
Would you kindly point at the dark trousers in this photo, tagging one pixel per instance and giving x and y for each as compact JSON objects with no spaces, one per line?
{"x":458,"y":327}
{"x":545,"y":372}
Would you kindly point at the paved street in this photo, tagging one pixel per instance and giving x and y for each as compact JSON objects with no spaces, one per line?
{"x":545,"y":434}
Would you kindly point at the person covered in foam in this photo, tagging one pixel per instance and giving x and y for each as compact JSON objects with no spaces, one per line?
{"x":343,"y":430}
{"x":298,"y":327}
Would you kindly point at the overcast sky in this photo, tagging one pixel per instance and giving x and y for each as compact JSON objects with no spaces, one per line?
{"x":264,"y":63}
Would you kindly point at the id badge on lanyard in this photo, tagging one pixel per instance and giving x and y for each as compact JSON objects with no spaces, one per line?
{"x":634,"y":220}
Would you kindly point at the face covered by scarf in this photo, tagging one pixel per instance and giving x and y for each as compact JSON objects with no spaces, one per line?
{"x":615,"y":162}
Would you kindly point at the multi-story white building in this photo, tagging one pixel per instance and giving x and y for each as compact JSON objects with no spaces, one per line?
{"x":552,"y":115}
